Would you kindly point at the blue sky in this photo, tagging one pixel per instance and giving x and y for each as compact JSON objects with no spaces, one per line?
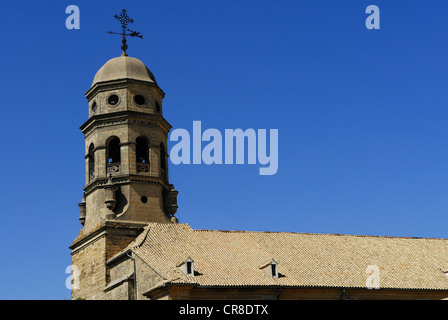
{"x":362,"y":118}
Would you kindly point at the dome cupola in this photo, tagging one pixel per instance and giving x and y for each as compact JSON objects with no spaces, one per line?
{"x":124,"y":84}
{"x":124,"y":67}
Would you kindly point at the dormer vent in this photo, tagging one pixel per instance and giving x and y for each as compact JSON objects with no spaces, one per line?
{"x":187,"y":267}
{"x":274,"y":273}
{"x":270,"y":269}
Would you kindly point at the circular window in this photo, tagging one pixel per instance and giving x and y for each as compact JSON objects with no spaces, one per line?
{"x":113,"y":100}
{"x":139,"y":99}
{"x":94,"y":106}
{"x":144,"y":199}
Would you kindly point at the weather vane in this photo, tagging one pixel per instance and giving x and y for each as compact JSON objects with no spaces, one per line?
{"x":125,"y":20}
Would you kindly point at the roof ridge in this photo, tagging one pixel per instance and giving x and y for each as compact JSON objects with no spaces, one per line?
{"x":138,"y":242}
{"x":142,"y":236}
{"x":319,"y":234}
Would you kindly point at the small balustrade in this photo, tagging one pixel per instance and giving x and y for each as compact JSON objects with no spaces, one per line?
{"x":113,"y":168}
{"x":142,"y":167}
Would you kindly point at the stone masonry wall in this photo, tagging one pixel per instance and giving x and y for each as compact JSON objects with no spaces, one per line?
{"x":90,"y":261}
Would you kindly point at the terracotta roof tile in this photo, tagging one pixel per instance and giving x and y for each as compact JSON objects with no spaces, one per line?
{"x":233,"y":258}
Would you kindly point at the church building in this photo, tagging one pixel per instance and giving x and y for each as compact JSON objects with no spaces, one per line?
{"x":131,"y":245}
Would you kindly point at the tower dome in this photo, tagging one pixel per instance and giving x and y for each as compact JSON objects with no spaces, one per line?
{"x":124,"y":67}
{"x":124,"y":83}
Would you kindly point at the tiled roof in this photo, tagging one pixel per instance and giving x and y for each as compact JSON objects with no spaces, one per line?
{"x":233,"y":258}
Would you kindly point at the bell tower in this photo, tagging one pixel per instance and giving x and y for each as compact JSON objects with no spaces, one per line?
{"x":126,"y":168}
{"x":125,"y":148}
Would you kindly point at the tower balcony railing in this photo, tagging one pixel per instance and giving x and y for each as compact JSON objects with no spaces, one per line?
{"x":113,"y":168}
{"x":142,"y":167}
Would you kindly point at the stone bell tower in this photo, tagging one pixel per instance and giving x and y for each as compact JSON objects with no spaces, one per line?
{"x":126,"y":168}
{"x":125,"y":147}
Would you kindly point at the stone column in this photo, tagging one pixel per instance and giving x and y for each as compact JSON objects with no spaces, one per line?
{"x":100,"y":162}
{"x":125,"y":158}
{"x":154,"y":152}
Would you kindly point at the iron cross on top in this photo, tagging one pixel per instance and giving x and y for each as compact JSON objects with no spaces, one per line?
{"x":125,"y":20}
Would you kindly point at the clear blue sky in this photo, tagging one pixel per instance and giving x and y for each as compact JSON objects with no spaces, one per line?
{"x":362,"y":118}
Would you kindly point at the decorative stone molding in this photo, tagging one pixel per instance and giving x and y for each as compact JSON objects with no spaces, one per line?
{"x":171,"y":200}
{"x":82,"y":209}
{"x":110,"y":189}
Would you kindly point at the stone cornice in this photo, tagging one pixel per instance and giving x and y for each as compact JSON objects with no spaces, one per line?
{"x":123,"y":179}
{"x":122,"y":117}
{"x":101,"y":231}
{"x":117,"y":84}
